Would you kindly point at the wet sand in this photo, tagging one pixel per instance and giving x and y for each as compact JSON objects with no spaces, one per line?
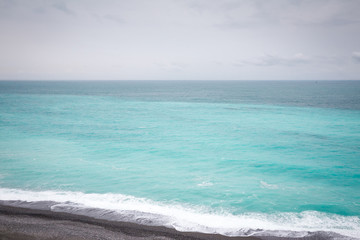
{"x":23,"y":223}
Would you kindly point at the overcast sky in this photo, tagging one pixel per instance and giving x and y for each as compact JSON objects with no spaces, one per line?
{"x":180,"y":39}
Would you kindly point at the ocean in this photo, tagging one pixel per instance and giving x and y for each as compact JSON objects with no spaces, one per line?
{"x":238,"y":158}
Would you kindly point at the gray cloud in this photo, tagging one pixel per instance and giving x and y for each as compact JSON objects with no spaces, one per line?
{"x":61,"y":6}
{"x":6,"y":3}
{"x":104,"y":19}
{"x":179,"y":39}
{"x":114,"y":18}
{"x":356,"y":56}
{"x":274,"y":60}
{"x":258,"y":13}
{"x":39,"y":10}
{"x":172,"y":66}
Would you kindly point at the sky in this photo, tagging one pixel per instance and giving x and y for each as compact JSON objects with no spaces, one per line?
{"x":180,"y":40}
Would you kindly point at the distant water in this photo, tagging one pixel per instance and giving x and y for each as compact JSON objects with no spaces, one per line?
{"x":234,"y":157}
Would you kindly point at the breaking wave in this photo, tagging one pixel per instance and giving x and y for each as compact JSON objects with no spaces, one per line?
{"x":118,"y":207}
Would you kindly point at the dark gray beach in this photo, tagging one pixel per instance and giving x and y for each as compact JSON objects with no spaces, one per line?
{"x":17,"y":223}
{"x":24,"y":223}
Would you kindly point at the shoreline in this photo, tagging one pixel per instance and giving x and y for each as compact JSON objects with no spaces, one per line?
{"x":25,"y":223}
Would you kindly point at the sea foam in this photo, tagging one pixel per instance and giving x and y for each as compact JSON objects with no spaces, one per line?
{"x":118,"y":207}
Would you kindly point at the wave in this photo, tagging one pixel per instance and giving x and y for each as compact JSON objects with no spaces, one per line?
{"x":118,"y":207}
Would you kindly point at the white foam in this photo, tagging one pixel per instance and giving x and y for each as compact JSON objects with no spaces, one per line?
{"x":194,"y":218}
{"x":205,"y":184}
{"x":264,"y":184}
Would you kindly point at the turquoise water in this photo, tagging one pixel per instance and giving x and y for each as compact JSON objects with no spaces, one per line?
{"x":285,"y":155}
